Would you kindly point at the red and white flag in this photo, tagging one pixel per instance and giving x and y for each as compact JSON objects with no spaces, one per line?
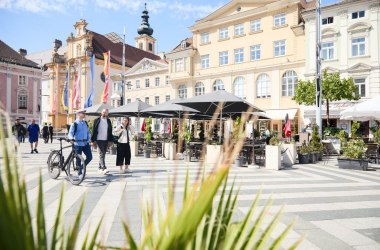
{"x":76,"y":89}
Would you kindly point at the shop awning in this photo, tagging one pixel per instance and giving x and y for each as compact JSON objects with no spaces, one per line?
{"x":279,"y":114}
{"x":115,"y":96}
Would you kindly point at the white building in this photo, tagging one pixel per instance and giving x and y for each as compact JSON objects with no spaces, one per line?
{"x":350,"y":40}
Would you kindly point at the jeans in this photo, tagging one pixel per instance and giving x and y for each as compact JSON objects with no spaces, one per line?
{"x":102,"y":148}
{"x":87,"y":152}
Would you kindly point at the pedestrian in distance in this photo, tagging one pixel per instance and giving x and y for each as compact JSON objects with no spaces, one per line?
{"x":124,"y":133}
{"x":34,"y":131}
{"x":45,"y":133}
{"x":18,"y":130}
{"x":51,"y":132}
{"x":79,"y":136}
{"x":102,"y":137}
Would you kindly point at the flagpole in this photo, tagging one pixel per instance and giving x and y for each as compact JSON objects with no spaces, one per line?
{"x":123,"y":72}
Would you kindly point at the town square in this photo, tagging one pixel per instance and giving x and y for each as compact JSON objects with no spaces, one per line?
{"x":220,"y":125}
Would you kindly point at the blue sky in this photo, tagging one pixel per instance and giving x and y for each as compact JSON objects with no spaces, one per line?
{"x":34,"y":24}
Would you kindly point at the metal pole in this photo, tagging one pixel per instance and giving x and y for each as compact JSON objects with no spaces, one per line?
{"x":56,"y":98}
{"x":318,"y":75}
{"x":123,"y":72}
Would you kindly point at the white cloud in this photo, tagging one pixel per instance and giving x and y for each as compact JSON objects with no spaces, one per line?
{"x":177,"y":9}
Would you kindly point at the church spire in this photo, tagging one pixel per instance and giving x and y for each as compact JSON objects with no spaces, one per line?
{"x":145,"y":27}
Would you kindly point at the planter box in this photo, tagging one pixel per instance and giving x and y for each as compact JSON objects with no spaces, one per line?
{"x":213,"y":154}
{"x":134,"y":148}
{"x":356,"y":164}
{"x":272,"y":157}
{"x":312,"y":158}
{"x":239,"y":161}
{"x":170,"y":150}
{"x":289,"y":157}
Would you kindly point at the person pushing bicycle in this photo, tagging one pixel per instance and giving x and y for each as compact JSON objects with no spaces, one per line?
{"x":79,"y":135}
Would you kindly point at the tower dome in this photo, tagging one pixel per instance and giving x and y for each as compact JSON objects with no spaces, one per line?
{"x":145,"y":27}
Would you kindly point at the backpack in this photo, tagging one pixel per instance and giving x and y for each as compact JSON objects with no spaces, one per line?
{"x":76,"y":127}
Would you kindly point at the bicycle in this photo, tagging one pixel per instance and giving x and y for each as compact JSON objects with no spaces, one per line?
{"x":72,"y":166}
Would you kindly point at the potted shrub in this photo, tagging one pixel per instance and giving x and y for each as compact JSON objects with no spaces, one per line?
{"x":316,"y":145}
{"x":273,"y":154}
{"x":187,"y":136}
{"x":237,"y":134}
{"x":354,"y":152}
{"x":303,"y":155}
{"x":148,"y":137}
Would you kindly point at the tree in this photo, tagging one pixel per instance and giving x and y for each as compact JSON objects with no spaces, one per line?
{"x":333,"y":89}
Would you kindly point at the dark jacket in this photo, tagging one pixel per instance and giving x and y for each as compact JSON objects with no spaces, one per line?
{"x":95,"y":127}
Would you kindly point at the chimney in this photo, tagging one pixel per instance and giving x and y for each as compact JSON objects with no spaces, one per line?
{"x":22,"y":52}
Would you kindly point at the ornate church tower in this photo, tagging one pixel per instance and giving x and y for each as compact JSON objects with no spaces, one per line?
{"x":145,"y":41}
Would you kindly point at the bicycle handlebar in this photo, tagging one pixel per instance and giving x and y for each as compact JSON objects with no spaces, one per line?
{"x":65,"y":139}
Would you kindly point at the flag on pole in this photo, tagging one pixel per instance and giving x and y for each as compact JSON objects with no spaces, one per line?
{"x":88,"y":103}
{"x":107,"y":55}
{"x":65,"y":94}
{"x":169,"y":127}
{"x":54,"y":108}
{"x":143,"y":126}
{"x":287,"y":128}
{"x":76,"y":89}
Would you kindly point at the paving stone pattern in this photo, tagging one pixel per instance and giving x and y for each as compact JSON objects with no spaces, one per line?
{"x":336,"y":209}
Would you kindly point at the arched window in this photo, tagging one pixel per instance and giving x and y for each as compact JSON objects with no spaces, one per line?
{"x":199,"y":88}
{"x":218,"y":85}
{"x":182,"y":92}
{"x":263,"y":86}
{"x":289,"y":83}
{"x":239,"y":87}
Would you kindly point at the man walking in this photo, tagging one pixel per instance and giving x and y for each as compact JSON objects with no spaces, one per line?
{"x":33,"y":130}
{"x":79,"y":134}
{"x":18,"y":130}
{"x":102,"y":136}
{"x":51,"y":133}
{"x":45,"y":132}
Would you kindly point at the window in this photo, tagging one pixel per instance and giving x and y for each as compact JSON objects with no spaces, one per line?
{"x":147,"y":100}
{"x":255,"y":52}
{"x":167,"y":98}
{"x":239,"y":55}
{"x":157,"y":81}
{"x":255,"y":25}
{"x":327,"y":20}
{"x":289,"y":83}
{"x":358,"y":46}
{"x":239,"y":87}
{"x":79,"y":49}
{"x":22,"y":100}
{"x":205,"y":61}
{"x":218,"y":85}
{"x":117,"y":87}
{"x":199,"y":89}
{"x":263,"y":86}
{"x":128,"y":100}
{"x":183,"y":45}
{"x":360,"y":87}
{"x":223,"y":33}
{"x":328,"y":51}
{"x":157,"y":125}
{"x":179,"y":65}
{"x":182,"y":92}
{"x":137,"y":84}
{"x":205,"y":37}
{"x":358,"y":14}
{"x":146,"y":83}
{"x":129,"y":85}
{"x":156,"y":100}
{"x":167,"y":80}
{"x":279,"y":48}
{"x":140,"y":46}
{"x":150,"y":47}
{"x":223,"y":58}
{"x":279,"y":20}
{"x":239,"y":29}
{"x":22,"y":80}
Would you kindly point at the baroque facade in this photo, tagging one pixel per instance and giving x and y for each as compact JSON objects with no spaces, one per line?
{"x":350,"y":39}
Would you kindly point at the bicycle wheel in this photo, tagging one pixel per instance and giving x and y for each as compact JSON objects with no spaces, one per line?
{"x":53,"y":163}
{"x":76,"y":169}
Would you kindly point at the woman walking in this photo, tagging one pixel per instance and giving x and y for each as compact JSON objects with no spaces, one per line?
{"x":125,"y":133}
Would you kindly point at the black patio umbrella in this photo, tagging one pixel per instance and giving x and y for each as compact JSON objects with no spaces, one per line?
{"x":97,"y":109}
{"x":130,"y":109}
{"x":170,"y":107}
{"x":228,"y":103}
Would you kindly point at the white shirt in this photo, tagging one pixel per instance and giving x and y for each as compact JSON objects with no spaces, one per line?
{"x":122,"y":133}
{"x":102,"y":130}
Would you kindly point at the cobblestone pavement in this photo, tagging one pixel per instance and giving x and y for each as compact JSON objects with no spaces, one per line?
{"x":336,"y":209}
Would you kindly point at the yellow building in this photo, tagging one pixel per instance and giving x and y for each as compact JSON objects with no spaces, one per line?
{"x":254,"y":49}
